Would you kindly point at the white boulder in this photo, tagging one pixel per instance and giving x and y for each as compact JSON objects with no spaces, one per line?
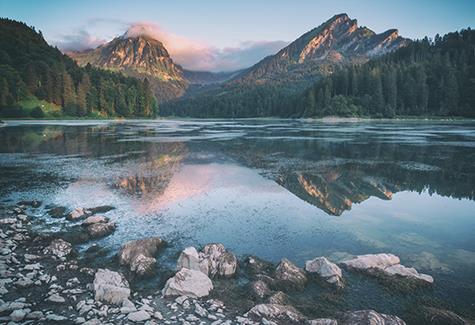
{"x":190,"y":283}
{"x":325,"y":269}
{"x":111,"y":287}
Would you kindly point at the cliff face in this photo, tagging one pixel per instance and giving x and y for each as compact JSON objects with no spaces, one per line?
{"x":337,"y":41}
{"x":141,"y":57}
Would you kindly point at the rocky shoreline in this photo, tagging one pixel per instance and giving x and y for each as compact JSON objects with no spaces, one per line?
{"x":42,"y":281}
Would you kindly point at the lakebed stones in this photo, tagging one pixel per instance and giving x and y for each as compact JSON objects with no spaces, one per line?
{"x":388,"y":264}
{"x":59,"y":248}
{"x":111,"y":287}
{"x":213,"y":260}
{"x":368,"y":317}
{"x":282,"y":314}
{"x":139,"y":255}
{"x":325,"y":269}
{"x":289,"y":275}
{"x":100,"y":229}
{"x":190,"y":283}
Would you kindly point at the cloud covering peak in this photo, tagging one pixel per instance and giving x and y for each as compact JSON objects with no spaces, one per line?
{"x":189,"y":53}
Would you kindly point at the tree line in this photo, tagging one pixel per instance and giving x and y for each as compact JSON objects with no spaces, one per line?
{"x":426,"y":78}
{"x":30,"y":68}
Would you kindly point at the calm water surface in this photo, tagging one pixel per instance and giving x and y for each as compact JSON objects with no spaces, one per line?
{"x":271,"y":188}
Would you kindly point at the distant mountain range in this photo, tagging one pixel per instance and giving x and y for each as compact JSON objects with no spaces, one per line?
{"x":335,"y":42}
{"x":143,"y":57}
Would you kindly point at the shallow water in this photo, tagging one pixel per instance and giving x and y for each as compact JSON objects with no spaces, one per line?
{"x":271,"y":188}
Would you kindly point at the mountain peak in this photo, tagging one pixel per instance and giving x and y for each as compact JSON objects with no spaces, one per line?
{"x":339,"y":40}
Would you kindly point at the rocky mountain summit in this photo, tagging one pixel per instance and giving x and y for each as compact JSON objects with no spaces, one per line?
{"x":138,"y":56}
{"x":337,"y":41}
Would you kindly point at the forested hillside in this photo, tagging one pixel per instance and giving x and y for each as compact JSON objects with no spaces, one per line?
{"x":426,"y":78}
{"x":38,"y":80}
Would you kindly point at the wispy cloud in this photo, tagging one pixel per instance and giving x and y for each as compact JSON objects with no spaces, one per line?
{"x":79,"y":41}
{"x":195,"y":55}
{"x":191,"y":54}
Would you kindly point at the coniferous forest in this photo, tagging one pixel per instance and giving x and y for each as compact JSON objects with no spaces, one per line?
{"x":37,"y":80}
{"x":426,"y":78}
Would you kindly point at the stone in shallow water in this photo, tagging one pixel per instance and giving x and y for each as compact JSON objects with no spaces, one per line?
{"x":139,"y":255}
{"x":216,"y":260}
{"x":111,"y":287}
{"x":388,"y":264}
{"x":94,"y":219}
{"x":282,"y":314}
{"x":325,"y":269}
{"x":190,"y":283}
{"x":290,"y":274}
{"x":78,"y":213}
{"x":368,"y":317}
{"x":189,"y":259}
{"x":99,"y":230}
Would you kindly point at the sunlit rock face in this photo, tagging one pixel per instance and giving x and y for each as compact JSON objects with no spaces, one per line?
{"x":139,"y":56}
{"x":337,"y":41}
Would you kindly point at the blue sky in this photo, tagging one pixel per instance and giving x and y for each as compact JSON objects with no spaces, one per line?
{"x":232,"y":25}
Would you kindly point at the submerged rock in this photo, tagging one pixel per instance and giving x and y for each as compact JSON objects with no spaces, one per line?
{"x":442,"y":316}
{"x":139,"y":255}
{"x":78,"y":213}
{"x":99,"y":230}
{"x":388,"y":264}
{"x":32,"y":203}
{"x":111,"y":287}
{"x":368,"y":317}
{"x":325,"y":269}
{"x":94,"y":219}
{"x":59,"y":248}
{"x":282,"y":314}
{"x":290,"y":275}
{"x":101,"y":209}
{"x":57,"y":212}
{"x":190,"y":283}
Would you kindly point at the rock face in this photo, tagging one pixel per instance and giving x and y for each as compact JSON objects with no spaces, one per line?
{"x":289,"y":274}
{"x":99,"y":230}
{"x":138,"y":54}
{"x":110,"y":287}
{"x":59,"y":248}
{"x":282,"y":314}
{"x":325,"y":269}
{"x":388,"y":264}
{"x":216,"y":260}
{"x":337,"y":41}
{"x":260,"y":289}
{"x":139,"y":255}
{"x":190,"y":283}
{"x":213,"y":260}
{"x":368,"y":317}
{"x":78,"y":213}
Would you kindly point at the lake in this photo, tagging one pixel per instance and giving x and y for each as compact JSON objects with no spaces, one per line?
{"x":271,"y":188}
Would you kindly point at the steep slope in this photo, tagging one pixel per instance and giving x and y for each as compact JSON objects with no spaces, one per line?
{"x":138,"y":56}
{"x":37,"y":80}
{"x":337,"y":41}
